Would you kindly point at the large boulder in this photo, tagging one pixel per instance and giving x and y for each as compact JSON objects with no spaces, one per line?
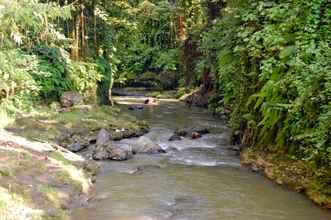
{"x":76,"y":147}
{"x":119,"y":154}
{"x":109,"y":152}
{"x":103,"y":137}
{"x":101,"y":152}
{"x":145,"y":146}
{"x":71,"y":98}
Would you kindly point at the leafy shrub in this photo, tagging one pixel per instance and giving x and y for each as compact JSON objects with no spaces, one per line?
{"x":84,"y":77}
{"x":52,"y":72}
{"x":17,"y":87}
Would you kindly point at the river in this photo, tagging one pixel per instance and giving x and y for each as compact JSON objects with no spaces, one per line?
{"x":195,"y":180}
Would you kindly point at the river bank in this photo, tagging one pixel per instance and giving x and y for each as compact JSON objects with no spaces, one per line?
{"x":41,"y":180}
{"x":41,"y":176}
{"x":298,"y":175}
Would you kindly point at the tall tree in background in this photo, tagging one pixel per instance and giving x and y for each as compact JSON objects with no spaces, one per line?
{"x":106,"y":82}
{"x":213,"y":11}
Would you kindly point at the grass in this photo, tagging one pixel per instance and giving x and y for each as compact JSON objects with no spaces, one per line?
{"x":59,"y":157}
{"x":5,"y":119}
{"x":5,"y":173}
{"x":34,"y":187}
{"x":52,"y":195}
{"x":14,"y":207}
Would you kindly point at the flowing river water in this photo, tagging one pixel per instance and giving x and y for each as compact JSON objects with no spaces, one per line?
{"x":195,"y":180}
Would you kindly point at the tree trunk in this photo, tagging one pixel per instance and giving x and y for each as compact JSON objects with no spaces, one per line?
{"x":75,"y":37}
{"x":182,"y":32}
{"x":95,"y":41}
{"x":106,"y":82}
{"x":82,"y":35}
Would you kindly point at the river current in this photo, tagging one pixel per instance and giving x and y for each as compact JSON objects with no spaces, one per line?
{"x":198,"y":179}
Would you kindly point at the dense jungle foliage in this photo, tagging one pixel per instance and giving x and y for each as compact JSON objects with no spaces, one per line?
{"x":267,"y":63}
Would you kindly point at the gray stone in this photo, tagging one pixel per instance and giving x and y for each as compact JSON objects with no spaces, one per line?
{"x":119,"y":154}
{"x":76,"y":147}
{"x":175,"y":137}
{"x":145,"y":145}
{"x":103,"y":137}
{"x":101,"y":153}
{"x":105,"y":152}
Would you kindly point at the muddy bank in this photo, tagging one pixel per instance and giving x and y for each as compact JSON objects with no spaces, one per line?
{"x":295,"y":174}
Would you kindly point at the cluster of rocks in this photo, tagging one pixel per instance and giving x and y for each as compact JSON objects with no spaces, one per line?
{"x":193,"y":133}
{"x":96,"y":142}
{"x":100,"y":146}
{"x":104,"y":148}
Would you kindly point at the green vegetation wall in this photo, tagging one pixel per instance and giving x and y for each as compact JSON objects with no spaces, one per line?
{"x":274,"y":74}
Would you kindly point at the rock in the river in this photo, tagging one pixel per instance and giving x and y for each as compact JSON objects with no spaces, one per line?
{"x":105,"y":152}
{"x":175,"y":137}
{"x":202,"y":131}
{"x":194,"y":133}
{"x":145,"y":145}
{"x":103,"y":137}
{"x":136,"y":107}
{"x":76,"y":147}
{"x":119,"y":154}
{"x":71,"y":98}
{"x":181,"y":132}
{"x":101,"y":153}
